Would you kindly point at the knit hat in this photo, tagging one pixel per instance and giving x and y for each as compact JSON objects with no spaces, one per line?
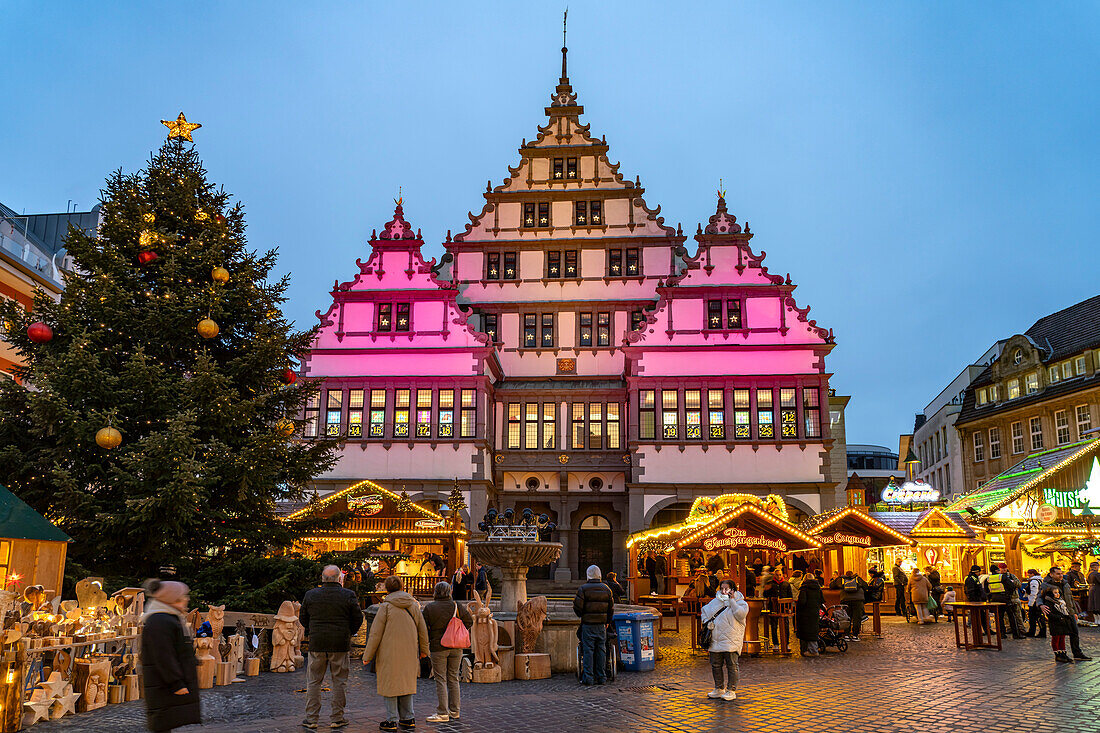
{"x":974,"y":568}
{"x":594,"y":572}
{"x":166,"y":591}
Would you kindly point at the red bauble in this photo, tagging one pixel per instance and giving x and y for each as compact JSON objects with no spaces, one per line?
{"x":289,"y":377}
{"x":220,"y":219}
{"x":147,"y":256}
{"x":39,"y":332}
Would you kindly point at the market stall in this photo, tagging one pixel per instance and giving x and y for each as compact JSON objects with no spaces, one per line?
{"x":32,"y":550}
{"x":847,"y":536}
{"x":406,"y":535}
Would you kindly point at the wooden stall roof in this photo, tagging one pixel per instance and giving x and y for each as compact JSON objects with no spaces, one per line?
{"x":933,"y":526}
{"x":332,"y":502}
{"x":852,"y":521}
{"x":750,"y":515}
{"x":20,"y":522}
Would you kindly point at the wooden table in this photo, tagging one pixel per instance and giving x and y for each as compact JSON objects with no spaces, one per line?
{"x":662,"y":604}
{"x":981,"y":635}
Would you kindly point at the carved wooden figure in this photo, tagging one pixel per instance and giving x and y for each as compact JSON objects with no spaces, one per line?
{"x":215,"y":616}
{"x":282,"y":638}
{"x":483,"y":633}
{"x":299,"y":636}
{"x":529,"y":619}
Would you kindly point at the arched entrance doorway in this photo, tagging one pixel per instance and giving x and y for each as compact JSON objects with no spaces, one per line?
{"x":594,"y":545}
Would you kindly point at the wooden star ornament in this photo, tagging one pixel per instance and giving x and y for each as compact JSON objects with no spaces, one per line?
{"x":181,"y":128}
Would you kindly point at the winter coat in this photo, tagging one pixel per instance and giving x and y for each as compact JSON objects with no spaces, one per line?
{"x":330,"y":615}
{"x":662,"y":565}
{"x":617,"y":591}
{"x":972,"y":587}
{"x":899,"y":576}
{"x":594,"y":603}
{"x":398,"y":636}
{"x":934,"y":579}
{"x":1094,"y":592}
{"x":728,"y":627}
{"x":809,"y":603}
{"x":1059,"y":623}
{"x":460,"y":585}
{"x":919,"y":589}
{"x":168,"y":664}
{"x":852,"y":594}
{"x":437,"y":616}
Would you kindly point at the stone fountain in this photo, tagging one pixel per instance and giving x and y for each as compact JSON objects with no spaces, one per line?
{"x":513,"y":557}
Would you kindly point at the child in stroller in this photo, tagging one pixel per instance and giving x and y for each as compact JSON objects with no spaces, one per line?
{"x":833,"y":627}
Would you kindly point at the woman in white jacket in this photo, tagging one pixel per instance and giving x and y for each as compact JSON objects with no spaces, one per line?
{"x":725,"y":615}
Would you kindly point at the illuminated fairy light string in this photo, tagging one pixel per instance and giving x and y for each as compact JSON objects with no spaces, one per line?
{"x":321,"y":503}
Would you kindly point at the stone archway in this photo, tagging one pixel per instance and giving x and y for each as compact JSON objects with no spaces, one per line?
{"x":595,"y":544}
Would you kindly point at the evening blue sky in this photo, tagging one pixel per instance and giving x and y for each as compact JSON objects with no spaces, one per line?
{"x":929,"y":173}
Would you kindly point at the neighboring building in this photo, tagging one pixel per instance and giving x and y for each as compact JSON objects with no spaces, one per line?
{"x":935,"y":440}
{"x":1042,"y":392}
{"x":570,"y":355}
{"x":32,"y":256}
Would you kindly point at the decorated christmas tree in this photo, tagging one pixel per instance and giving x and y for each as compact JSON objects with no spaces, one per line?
{"x":155,"y":416}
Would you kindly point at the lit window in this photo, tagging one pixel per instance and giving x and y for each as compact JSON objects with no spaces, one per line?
{"x":313,"y":416}
{"x":530,"y":330}
{"x":531,"y":426}
{"x":423,"y":413}
{"x":585,"y":329}
{"x":646,"y":420}
{"x":733,"y":314}
{"x":1031,"y":383}
{"x":637,"y":320}
{"x":1055,"y":375}
{"x":613,"y":430}
{"x":571,"y":269}
{"x":994,"y":393}
{"x":979,"y":447}
{"x":491,"y":327}
{"x":547,"y":329}
{"x":549,"y":424}
{"x":788,"y":413}
{"x":1036,"y":425}
{"x":670,"y":418}
{"x":553,"y":264}
{"x":811,"y":411}
{"x":765,"y":420}
{"x":632,"y":265}
{"x":595,"y":426}
{"x":403,"y":318}
{"x":401,"y":413}
{"x":994,"y":443}
{"x":578,"y":426}
{"x":1013,"y":388}
{"x":529,"y":215}
{"x":981,"y":396}
{"x":385,"y":316}
{"x":741,"y":415}
{"x":571,"y":168}
{"x":377,"y":413}
{"x":580,"y":213}
{"x":1084,"y":421}
{"x":693,"y":414}
{"x":603,"y":329}
{"x":614,"y":262}
{"x":510,"y":266}
{"x":714,"y":314}
{"x":355,"y":413}
{"x":716,"y":414}
{"x":544,"y":214}
{"x":595,"y":213}
{"x":1017,"y":437}
{"x":446,"y":425}
{"x":469,"y":413}
{"x":513,"y":424}
{"x":334,"y":413}
{"x":1061,"y":425}
{"x":730,"y":319}
{"x":492,"y":266}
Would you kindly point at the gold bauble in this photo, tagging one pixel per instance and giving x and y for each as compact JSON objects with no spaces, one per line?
{"x":285,"y":428}
{"x":201,"y":215}
{"x":108,"y":438}
{"x":148,"y":239}
{"x":207,"y":328}
{"x":219,"y":275}
{"x":149,"y":217}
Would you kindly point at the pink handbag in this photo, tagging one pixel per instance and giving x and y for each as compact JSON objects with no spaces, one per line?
{"x":456,"y":636}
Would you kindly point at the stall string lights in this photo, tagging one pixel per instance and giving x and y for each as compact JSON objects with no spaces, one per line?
{"x":723,"y":519}
{"x":321,"y":503}
{"x":849,"y":511}
{"x":920,"y":529}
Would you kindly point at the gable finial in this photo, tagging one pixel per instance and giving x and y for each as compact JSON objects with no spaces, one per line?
{"x":564,"y":49}
{"x":400,"y":199}
{"x":721,"y":189}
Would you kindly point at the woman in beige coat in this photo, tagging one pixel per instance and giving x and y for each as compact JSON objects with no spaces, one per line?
{"x":919,"y":590}
{"x":398,"y":640}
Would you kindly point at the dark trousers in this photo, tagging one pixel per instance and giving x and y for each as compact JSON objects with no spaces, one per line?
{"x":1008,"y":610}
{"x":899,"y":601}
{"x":593,"y":653}
{"x":1036,"y":624}
{"x":727,"y":662}
{"x":1075,"y":640}
{"x":855,"y":610}
{"x":774,"y":623}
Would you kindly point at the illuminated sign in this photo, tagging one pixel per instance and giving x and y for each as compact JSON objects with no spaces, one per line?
{"x":846,"y":539}
{"x":910,"y":492}
{"x":931,"y":555}
{"x":1046,"y":514}
{"x":369,"y":504}
{"x":429,"y":524}
{"x":734,"y":537}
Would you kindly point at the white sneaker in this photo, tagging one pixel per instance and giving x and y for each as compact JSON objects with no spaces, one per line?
{"x":715,"y":693}
{"x":729,"y":695}
{"x":438,"y":718}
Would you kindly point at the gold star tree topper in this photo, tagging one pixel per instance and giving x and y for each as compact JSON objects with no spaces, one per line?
{"x":180,"y":127}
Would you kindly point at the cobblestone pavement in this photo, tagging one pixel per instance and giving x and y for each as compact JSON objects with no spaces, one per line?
{"x":913,"y":679}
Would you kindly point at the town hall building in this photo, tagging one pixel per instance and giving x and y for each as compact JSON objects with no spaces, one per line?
{"x":572,"y":353}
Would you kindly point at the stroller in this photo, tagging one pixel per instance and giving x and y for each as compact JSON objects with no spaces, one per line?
{"x":833,"y":625}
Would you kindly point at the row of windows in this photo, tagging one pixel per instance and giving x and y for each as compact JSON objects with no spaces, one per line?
{"x":539,"y":331}
{"x":1062,"y":433}
{"x":420,"y":413}
{"x":934,"y":449}
{"x":1029,"y":384}
{"x":705,"y":412}
{"x":585,"y":213}
{"x":593,"y":426}
{"x":563,"y":264}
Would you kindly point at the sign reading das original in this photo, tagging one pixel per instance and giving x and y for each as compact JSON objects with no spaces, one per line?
{"x":735,"y":537}
{"x":839,"y":538}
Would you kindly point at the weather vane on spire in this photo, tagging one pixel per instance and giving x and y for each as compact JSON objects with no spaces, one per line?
{"x":564,"y":48}
{"x":399,"y":198}
{"x":721,"y":190}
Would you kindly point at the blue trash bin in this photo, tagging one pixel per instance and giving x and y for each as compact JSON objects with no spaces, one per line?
{"x":637,"y":640}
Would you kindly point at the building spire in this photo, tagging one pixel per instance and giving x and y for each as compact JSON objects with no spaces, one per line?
{"x":564,"y":47}
{"x":563,"y":95}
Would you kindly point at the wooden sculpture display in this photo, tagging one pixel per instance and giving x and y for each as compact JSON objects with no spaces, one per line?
{"x":529,"y":619}
{"x":483,"y":639}
{"x":299,"y":636}
{"x":215,"y":616}
{"x":282,"y":638}
{"x":90,"y":677}
{"x":204,"y":651}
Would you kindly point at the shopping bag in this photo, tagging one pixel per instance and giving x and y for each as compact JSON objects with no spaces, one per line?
{"x":456,"y":636}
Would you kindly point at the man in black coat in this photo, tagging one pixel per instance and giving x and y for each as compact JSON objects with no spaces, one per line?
{"x":168,"y":658}
{"x":330,"y":615}
{"x":900,"y":581}
{"x":595,"y":605}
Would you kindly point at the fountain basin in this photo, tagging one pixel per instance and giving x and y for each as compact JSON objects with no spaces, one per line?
{"x":513,"y":558}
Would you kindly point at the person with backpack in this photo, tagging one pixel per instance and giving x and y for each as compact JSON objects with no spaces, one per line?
{"x":934,"y":580}
{"x":853,"y":594}
{"x":1036,"y":622}
{"x":999,"y":588}
{"x":900,"y":581}
{"x":723,"y":621}
{"x":919,"y":591}
{"x":443,"y":616}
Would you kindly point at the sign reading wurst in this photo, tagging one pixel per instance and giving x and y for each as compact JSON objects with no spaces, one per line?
{"x":735,"y":537}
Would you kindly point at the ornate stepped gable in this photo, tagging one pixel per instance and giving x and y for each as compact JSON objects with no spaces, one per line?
{"x":396,"y":304}
{"x":562,"y":166}
{"x":757,"y":307}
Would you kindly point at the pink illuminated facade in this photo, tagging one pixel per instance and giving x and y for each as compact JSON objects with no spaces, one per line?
{"x":569,"y":354}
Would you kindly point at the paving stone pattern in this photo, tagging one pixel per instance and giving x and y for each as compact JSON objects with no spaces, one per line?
{"x":913,"y":679}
